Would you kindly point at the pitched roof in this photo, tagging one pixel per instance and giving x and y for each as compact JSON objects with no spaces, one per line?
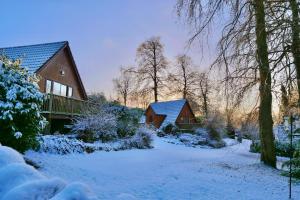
{"x":33,"y":57}
{"x":171,"y":109}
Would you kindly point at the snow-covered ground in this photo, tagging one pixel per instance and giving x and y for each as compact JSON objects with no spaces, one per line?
{"x":19,"y":181}
{"x":171,"y":171}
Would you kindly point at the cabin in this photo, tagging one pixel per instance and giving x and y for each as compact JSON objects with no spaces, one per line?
{"x":59,"y":77}
{"x":178,"y":112}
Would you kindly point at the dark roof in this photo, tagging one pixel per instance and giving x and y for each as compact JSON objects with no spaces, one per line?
{"x":33,"y":57}
{"x":171,"y":109}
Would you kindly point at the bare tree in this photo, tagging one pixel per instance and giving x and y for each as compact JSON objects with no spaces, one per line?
{"x":244,"y":47}
{"x":183,"y":79}
{"x":203,"y":86}
{"x":124,"y":85}
{"x":152,"y":64}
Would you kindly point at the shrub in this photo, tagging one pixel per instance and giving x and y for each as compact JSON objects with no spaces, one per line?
{"x":230,"y":131}
{"x":295,"y":162}
{"x":142,"y":139}
{"x":91,"y":127}
{"x":127,"y":119}
{"x":212,"y":137}
{"x":213,"y":133}
{"x":170,"y":129}
{"x":281,"y":148}
{"x":20,"y":106}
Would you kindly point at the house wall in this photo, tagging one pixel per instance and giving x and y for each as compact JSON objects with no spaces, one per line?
{"x":186,"y":115}
{"x":157,"y":120}
{"x":51,"y":71}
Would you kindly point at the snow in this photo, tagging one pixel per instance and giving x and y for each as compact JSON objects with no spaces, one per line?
{"x":21,"y":181}
{"x":171,"y":109}
{"x":170,"y":171}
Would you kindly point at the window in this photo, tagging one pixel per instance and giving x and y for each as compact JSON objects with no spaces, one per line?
{"x":70,"y":91}
{"x":59,"y":89}
{"x":63,"y":90}
{"x":56,"y":88}
{"x":48,"y":86}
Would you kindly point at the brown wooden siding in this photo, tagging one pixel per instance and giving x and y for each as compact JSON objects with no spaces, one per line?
{"x":51,"y":71}
{"x":186,"y":115}
{"x":152,"y":118}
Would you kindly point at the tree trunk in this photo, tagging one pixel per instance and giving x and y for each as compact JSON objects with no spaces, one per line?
{"x":185,"y":83}
{"x":296,"y":41}
{"x":125,"y":100}
{"x":155,"y":86}
{"x":265,"y":109}
{"x":155,"y":75}
{"x":205,"y":106}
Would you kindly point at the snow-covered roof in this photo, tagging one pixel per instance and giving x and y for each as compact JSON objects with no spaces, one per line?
{"x":171,"y":109}
{"x":33,"y":57}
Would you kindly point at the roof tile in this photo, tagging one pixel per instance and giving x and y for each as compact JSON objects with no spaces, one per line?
{"x":33,"y":57}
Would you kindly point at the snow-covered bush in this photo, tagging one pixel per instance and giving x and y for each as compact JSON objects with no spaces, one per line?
{"x":60,"y":144}
{"x":94,"y":126}
{"x":170,"y":129}
{"x":127,"y":118}
{"x":212,"y":136}
{"x":106,"y":121}
{"x":20,"y":106}
{"x":142,"y":139}
{"x":20,"y":181}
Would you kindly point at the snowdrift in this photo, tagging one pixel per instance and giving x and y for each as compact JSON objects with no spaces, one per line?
{"x":21,"y":181}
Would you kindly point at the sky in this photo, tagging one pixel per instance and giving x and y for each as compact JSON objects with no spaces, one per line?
{"x":103,"y":34}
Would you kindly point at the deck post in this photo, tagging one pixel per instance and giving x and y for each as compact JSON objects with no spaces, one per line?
{"x":50,"y":96}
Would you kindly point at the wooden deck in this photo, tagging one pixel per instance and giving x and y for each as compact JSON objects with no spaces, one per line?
{"x":60,"y":105}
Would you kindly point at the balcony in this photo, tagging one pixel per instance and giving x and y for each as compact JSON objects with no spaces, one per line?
{"x":60,"y":105}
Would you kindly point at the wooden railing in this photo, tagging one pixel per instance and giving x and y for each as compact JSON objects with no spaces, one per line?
{"x":60,"y":105}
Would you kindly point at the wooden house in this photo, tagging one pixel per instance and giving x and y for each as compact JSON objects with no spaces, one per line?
{"x":178,"y":112}
{"x":59,"y":76}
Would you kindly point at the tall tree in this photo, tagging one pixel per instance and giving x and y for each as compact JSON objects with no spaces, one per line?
{"x":183,"y":79}
{"x":265,"y":107}
{"x":294,"y":5}
{"x":124,"y":85}
{"x":152,"y":64}
{"x":243,"y":46}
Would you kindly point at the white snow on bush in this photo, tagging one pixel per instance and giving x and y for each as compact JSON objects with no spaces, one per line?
{"x":21,"y":181}
{"x":66,"y":144}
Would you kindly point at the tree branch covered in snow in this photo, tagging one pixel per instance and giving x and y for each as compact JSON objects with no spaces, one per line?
{"x":20,"y":106}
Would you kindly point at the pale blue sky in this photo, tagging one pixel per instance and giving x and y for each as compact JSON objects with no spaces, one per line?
{"x":103,"y":34}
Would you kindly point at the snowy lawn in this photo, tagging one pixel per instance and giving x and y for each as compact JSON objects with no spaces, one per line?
{"x":170,"y":171}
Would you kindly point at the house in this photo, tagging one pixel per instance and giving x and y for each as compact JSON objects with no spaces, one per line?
{"x":177,"y":112}
{"x":59,"y":77}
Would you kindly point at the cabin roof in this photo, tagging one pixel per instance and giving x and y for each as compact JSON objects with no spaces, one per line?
{"x":33,"y":57}
{"x":171,"y":109}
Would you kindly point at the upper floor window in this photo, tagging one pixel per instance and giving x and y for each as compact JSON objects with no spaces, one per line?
{"x":70,"y":91}
{"x":48,"y":86}
{"x":58,"y":89}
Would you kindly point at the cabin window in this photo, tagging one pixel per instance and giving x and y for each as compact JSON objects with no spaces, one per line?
{"x":48,"y":86}
{"x":70,"y":91}
{"x":63,"y":90}
{"x":59,"y":89}
{"x":56,"y":88}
